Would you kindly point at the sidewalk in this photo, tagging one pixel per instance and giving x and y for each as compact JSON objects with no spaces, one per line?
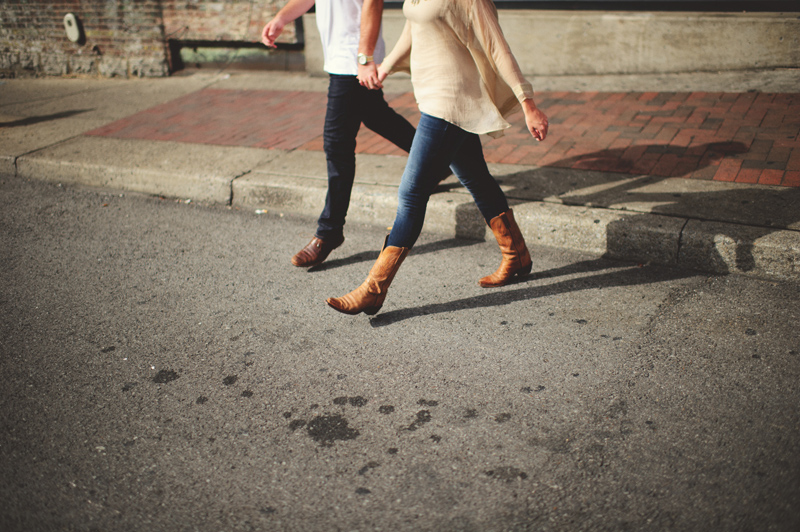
{"x":701,"y":180}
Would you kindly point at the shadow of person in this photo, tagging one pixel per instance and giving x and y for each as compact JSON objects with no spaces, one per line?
{"x":621,"y":275}
{"x":371,"y":256}
{"x":719,"y":223}
{"x":598,"y":177}
{"x":31,"y":120}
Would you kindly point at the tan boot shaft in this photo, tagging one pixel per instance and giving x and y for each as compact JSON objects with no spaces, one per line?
{"x":369,"y":297}
{"x":516,"y":258}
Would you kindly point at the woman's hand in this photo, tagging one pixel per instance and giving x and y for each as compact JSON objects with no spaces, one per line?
{"x":535,"y":119}
{"x":382,"y":74}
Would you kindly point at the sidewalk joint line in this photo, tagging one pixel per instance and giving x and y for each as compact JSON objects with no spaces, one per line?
{"x":680,"y":241}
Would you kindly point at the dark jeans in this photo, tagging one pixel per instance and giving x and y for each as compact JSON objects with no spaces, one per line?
{"x":437,"y":145}
{"x":350,"y":105}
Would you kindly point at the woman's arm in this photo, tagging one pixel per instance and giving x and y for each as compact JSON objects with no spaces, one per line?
{"x":488,"y":32}
{"x":398,"y":58}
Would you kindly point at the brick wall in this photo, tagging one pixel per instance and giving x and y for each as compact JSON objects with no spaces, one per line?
{"x":122,"y":38}
{"x":221,"y":20}
{"x":125,"y":38}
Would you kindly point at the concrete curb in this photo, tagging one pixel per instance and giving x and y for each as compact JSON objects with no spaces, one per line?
{"x":295,"y":182}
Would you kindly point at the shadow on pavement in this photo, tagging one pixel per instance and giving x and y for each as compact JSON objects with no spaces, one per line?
{"x":31,"y":120}
{"x":371,"y":256}
{"x":628,"y":276}
{"x":732,"y":219}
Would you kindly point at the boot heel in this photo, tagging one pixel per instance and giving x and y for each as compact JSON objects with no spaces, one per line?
{"x":525,"y":271}
{"x":371,"y":311}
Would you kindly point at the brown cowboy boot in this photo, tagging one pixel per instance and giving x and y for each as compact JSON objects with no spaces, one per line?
{"x":315,"y":252}
{"x":368,"y":298}
{"x":516,"y":259}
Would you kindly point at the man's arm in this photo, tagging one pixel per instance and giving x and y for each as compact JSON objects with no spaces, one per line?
{"x":371,"y":13}
{"x":289,"y":12}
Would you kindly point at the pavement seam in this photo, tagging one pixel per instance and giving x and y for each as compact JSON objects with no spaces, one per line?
{"x":680,"y":241}
{"x":231,"y":195}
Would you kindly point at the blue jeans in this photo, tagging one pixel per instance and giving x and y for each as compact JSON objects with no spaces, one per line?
{"x":350,"y":105}
{"x":437,"y":145}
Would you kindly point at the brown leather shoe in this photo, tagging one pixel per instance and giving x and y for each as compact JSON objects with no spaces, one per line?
{"x":315,"y":252}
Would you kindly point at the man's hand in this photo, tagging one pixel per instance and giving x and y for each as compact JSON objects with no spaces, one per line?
{"x":271,"y":31}
{"x":368,"y":76}
{"x":291,"y":11}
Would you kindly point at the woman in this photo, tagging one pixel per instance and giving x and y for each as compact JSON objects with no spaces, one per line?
{"x":465,"y":82}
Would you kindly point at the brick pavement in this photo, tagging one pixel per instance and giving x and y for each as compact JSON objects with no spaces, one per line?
{"x":739,"y":137}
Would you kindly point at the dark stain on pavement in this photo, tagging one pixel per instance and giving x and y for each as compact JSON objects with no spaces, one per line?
{"x":529,"y":389}
{"x":423,"y":416}
{"x":296,"y":424}
{"x":328,"y":429}
{"x":164,"y":376}
{"x":202,"y":400}
{"x":386,"y":409}
{"x":230,"y":379}
{"x":502,"y":418}
{"x":506,"y":473}
{"x":357,"y":401}
{"x":108,"y":349}
{"x":370,"y":465}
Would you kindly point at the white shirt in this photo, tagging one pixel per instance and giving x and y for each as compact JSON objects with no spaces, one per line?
{"x":339,"y":23}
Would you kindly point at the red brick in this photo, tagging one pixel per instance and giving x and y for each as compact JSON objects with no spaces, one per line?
{"x":620,"y":143}
{"x":686,"y":166}
{"x":791,"y":179}
{"x":727,"y":170}
{"x":666,"y":165}
{"x":634,"y":152}
{"x":748,"y":175}
{"x":780,"y":155}
{"x":645,"y":163}
{"x":793,"y":164}
{"x":705,"y":173}
{"x":771,"y":177}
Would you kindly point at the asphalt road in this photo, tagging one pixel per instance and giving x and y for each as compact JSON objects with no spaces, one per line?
{"x":165,"y":368}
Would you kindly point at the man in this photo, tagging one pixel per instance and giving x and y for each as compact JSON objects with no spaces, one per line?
{"x":352,"y":45}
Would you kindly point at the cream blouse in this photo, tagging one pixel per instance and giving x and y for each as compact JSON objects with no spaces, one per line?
{"x":461,"y":66}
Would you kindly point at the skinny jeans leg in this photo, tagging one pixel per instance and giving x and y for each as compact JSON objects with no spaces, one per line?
{"x":350,"y":104}
{"x":437,"y":145}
